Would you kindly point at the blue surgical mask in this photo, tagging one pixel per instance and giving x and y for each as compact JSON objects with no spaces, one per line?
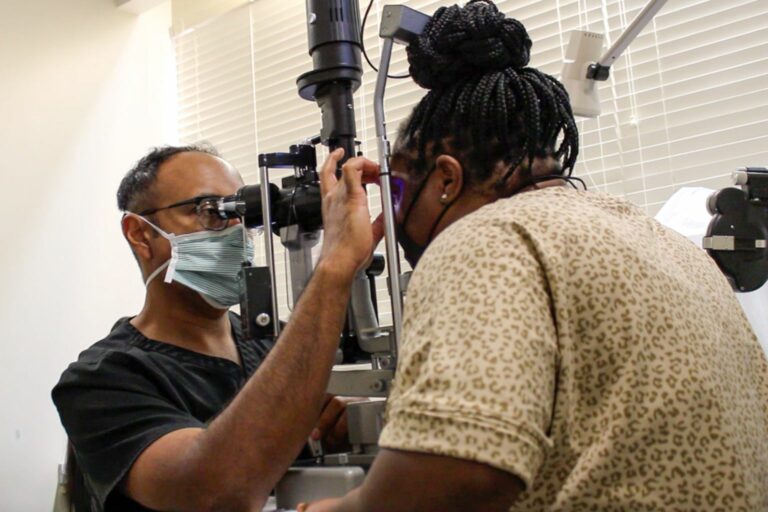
{"x":207,"y":262}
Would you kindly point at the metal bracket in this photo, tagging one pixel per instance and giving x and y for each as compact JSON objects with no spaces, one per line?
{"x":732,"y":243}
{"x":371,"y":383}
{"x":401,"y":23}
{"x":598,"y":72}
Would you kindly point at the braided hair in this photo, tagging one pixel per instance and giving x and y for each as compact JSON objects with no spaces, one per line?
{"x":484,"y":105}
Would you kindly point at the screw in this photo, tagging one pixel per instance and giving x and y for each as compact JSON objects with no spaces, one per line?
{"x":378,"y":385}
{"x":263,"y":320}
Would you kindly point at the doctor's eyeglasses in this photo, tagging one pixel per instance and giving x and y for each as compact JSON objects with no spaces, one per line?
{"x":207,"y":209}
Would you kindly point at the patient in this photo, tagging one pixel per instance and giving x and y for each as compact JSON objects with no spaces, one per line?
{"x":561,"y":350}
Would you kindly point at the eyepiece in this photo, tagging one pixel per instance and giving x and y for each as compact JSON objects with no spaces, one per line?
{"x":247,"y":204}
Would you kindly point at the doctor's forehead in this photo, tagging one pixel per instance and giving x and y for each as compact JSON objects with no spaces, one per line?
{"x":193,"y":173}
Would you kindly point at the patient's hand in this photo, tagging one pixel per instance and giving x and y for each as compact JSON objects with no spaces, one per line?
{"x":348,"y":503}
{"x":327,"y":505}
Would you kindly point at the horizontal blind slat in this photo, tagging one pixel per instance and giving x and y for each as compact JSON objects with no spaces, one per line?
{"x":685,"y":104}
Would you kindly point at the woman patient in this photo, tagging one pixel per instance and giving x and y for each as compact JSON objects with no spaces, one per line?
{"x":562,"y":350}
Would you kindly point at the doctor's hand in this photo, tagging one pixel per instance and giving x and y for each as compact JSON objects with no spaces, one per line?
{"x":349,"y":237}
{"x":331,"y":426}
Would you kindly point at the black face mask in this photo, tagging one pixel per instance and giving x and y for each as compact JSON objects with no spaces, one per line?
{"x":412,"y":250}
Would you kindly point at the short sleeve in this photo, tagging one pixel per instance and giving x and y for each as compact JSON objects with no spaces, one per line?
{"x":476,"y":373}
{"x":112,"y":410}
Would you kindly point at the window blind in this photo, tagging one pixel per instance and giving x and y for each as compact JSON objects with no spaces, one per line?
{"x":685,"y":104}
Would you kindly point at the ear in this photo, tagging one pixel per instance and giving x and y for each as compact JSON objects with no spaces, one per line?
{"x":450,"y":176}
{"x":135,"y":231}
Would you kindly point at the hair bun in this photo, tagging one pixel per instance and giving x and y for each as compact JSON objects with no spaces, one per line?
{"x":458,"y":42}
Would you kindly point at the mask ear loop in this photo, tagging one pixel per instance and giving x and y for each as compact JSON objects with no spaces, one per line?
{"x":171,"y":263}
{"x":447,"y":206}
{"x":416,"y":195}
{"x":439,"y":218}
{"x":156,"y":272}
{"x":164,"y":234}
{"x":415,"y":198}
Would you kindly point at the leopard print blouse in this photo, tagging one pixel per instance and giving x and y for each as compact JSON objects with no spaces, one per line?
{"x":571,"y":340}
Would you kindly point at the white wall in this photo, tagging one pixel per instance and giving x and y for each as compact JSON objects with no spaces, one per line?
{"x":85,"y":89}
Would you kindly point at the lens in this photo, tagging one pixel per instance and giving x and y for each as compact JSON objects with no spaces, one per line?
{"x":209,"y":216}
{"x":398,"y":190}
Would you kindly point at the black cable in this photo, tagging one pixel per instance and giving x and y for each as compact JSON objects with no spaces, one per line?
{"x":362,"y":44}
{"x":584,"y":185}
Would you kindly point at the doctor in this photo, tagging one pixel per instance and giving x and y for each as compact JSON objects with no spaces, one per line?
{"x":173,"y":409}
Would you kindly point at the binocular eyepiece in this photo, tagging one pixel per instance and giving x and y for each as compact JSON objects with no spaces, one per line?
{"x":297,"y":202}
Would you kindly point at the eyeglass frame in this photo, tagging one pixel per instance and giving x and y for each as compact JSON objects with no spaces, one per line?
{"x":398,"y":183}
{"x":197,"y":201}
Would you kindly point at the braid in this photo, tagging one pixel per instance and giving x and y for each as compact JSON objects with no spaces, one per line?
{"x":484,"y":102}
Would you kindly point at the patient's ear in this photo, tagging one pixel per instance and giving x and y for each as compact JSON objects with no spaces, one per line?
{"x":449,"y":175}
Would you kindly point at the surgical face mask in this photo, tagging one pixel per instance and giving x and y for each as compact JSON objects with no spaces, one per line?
{"x":411,"y":249}
{"x":207,"y":262}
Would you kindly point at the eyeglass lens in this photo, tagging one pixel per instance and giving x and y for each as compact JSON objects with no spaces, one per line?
{"x":398,"y":190}
{"x":209,"y":215}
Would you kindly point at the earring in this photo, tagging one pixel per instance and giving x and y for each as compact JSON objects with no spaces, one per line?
{"x":444,"y":198}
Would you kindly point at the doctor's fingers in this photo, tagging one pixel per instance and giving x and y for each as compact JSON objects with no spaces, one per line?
{"x":328,"y":171}
{"x":360,"y":170}
{"x":332,"y":412}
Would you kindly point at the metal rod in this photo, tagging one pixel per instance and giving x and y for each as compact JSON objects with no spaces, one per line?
{"x":631,"y":32}
{"x":245,"y":242}
{"x":269,"y":249}
{"x":381,"y":87}
{"x":390,"y":239}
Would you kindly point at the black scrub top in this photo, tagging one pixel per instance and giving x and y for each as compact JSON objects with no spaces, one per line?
{"x":126,"y":391}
